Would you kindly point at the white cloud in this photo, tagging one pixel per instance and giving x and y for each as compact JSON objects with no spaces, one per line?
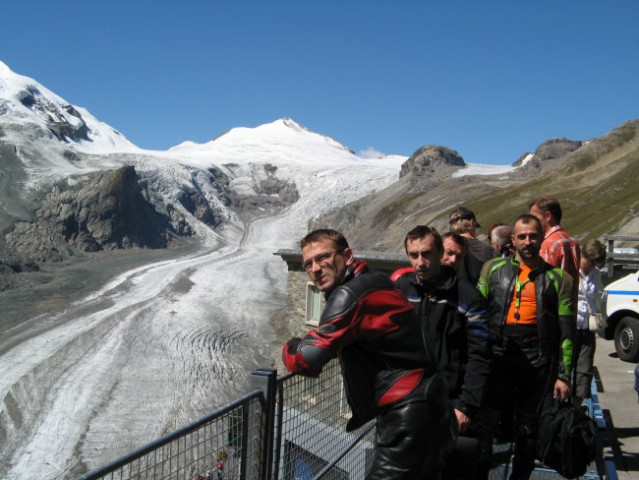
{"x":371,"y":153}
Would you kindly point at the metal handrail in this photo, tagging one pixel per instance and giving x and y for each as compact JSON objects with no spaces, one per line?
{"x":166,"y":439}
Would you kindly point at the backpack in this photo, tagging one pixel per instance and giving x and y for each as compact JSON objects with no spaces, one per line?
{"x":566,"y":439}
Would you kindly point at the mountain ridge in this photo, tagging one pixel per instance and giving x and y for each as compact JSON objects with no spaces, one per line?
{"x":597,"y":183}
{"x":57,"y":197}
{"x":51,"y":150}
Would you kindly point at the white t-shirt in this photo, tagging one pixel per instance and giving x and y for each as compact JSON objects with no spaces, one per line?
{"x":590,"y":288}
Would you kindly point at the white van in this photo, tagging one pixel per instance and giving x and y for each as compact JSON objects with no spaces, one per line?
{"x":620,"y":309}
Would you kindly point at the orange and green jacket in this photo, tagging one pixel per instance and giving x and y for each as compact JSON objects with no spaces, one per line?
{"x":555,"y":310}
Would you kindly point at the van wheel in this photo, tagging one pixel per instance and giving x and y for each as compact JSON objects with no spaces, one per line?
{"x":627,"y":339}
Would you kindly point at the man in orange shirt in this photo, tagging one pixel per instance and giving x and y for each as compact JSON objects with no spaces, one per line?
{"x":558,"y":248}
{"x":530,"y":310}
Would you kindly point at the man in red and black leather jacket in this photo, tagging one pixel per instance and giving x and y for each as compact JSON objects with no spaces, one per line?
{"x":388,"y":371}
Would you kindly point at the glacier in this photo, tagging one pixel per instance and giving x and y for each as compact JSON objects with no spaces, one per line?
{"x":161,"y":344}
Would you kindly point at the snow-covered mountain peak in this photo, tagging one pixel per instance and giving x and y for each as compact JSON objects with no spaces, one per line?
{"x":5,"y":71}
{"x":281,"y":141}
{"x":26,"y":103}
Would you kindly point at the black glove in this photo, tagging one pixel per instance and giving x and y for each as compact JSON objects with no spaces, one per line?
{"x":291,"y":345}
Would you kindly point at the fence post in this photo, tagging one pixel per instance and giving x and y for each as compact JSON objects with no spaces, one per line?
{"x":610,"y":264}
{"x":265,"y":380}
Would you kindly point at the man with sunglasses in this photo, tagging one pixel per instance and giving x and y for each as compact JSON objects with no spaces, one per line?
{"x":389,"y":374}
{"x":532,"y":332}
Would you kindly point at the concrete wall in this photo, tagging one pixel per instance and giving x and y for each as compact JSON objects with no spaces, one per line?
{"x":296,"y":303}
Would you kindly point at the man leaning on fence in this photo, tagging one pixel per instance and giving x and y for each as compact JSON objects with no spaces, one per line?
{"x":388,"y":372}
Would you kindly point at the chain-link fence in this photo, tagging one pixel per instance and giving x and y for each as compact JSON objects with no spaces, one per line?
{"x":288,"y":428}
{"x":311,"y":437}
{"x":227,"y":444}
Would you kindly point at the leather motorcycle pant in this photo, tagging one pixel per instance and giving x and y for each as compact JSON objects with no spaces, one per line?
{"x":514,"y":379}
{"x":412,"y":438}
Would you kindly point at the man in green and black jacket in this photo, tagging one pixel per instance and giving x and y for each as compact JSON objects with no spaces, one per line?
{"x":532,"y":327}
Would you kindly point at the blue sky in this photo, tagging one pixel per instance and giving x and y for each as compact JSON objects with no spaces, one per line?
{"x":490,"y":79}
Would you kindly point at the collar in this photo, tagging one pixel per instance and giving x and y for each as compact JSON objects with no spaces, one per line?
{"x":445,"y":281}
{"x":588,"y":277}
{"x":552,"y":230}
{"x":541,"y":268}
{"x":352,"y":271}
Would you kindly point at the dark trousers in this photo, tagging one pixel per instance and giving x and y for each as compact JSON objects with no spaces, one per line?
{"x":463,"y":461}
{"x":514,"y":379}
{"x":585,"y":358}
{"x":411,"y":439}
{"x":405,"y":447}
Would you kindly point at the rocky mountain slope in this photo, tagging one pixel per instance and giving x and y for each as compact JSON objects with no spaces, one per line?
{"x":134,"y":338}
{"x":596,"y":181}
{"x":71,"y":185}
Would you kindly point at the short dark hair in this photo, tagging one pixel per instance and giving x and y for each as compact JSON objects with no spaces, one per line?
{"x":421,"y":231}
{"x":548,"y":204}
{"x":325,"y":234}
{"x":527,"y":218}
{"x":457,"y":238}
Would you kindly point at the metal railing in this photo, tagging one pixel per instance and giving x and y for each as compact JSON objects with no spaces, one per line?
{"x":226,"y":442}
{"x":285,"y":428}
{"x":625,"y":261}
{"x":310,"y":438}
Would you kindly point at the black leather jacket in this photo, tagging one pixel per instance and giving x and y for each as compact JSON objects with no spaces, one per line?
{"x":375,"y":331}
{"x":556,"y":327}
{"x":453,"y":317}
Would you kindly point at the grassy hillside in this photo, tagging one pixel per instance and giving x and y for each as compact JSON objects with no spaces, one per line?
{"x":597,"y":186}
